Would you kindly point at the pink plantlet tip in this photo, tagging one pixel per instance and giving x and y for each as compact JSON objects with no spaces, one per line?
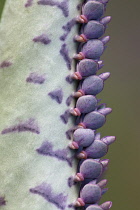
{"x":79,"y":93}
{"x":78,"y":177}
{"x":105,"y":162}
{"x":105,"y":20}
{"x":105,"y":111}
{"x":108,"y":139}
{"x":105,"y":39}
{"x":79,"y":56}
{"x":106,"y":206}
{"x":73,"y":145}
{"x":79,"y":203}
{"x":82,"y":19}
{"x":100,"y":63}
{"x":102,"y":183}
{"x":104,"y":76}
{"x":80,"y":38}
{"x":82,"y":155}
{"x":76,"y":75}
{"x":75,"y":111}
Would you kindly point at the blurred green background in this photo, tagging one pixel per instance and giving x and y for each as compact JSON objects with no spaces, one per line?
{"x":122,"y":93}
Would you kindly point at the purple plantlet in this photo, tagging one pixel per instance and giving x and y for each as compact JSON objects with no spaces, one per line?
{"x":2,"y":201}
{"x":65,"y":117}
{"x":82,"y":138}
{"x":85,"y":68}
{"x":47,"y":149}
{"x":90,"y":193}
{"x":57,"y":95}
{"x":92,"y":85}
{"x":65,"y":54}
{"x":93,"y":10}
{"x":36,"y":78}
{"x":61,"y":5}
{"x":92,"y":49}
{"x":91,"y":169}
{"x":43,"y":38}
{"x":29,"y":3}
{"x":105,"y":206}
{"x":46,"y":191}
{"x":84,"y":104}
{"x":98,"y":148}
{"x":27,"y":126}
{"x":93,"y":30}
{"x":5,"y":64}
{"x":67,"y":28}
{"x":95,"y":119}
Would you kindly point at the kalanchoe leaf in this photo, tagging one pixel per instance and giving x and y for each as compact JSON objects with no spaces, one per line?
{"x":35,"y":104}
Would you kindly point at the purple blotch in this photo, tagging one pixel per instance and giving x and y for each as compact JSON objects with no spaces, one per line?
{"x":61,"y":154}
{"x":43,"y":39}
{"x":79,"y":6}
{"x":69,"y":133}
{"x":67,"y":28}
{"x":46,"y":191}
{"x":36,"y":78}
{"x":71,"y":206}
{"x":69,"y":79}
{"x":2,"y":201}
{"x":57,"y":95}
{"x":61,"y":5}
{"x":69,"y":100}
{"x":71,"y":181}
{"x":65,"y":116}
{"x":5,"y":64}
{"x":29,"y":3}
{"x":29,"y":125}
{"x":65,"y":54}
